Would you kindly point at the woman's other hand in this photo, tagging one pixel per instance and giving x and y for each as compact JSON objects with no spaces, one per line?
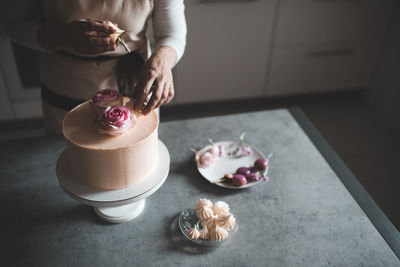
{"x":84,"y":36}
{"x":156,"y":78}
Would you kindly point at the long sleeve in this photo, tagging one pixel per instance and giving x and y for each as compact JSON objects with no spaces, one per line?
{"x":19,"y":19}
{"x":169,"y":25}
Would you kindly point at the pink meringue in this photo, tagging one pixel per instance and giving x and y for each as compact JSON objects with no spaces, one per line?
{"x":204,"y":233}
{"x":193,"y":233}
{"x":228,"y":222}
{"x":204,"y":213}
{"x":221,"y":208}
{"x":218,"y":233}
{"x":203,"y":202}
{"x":210,"y":221}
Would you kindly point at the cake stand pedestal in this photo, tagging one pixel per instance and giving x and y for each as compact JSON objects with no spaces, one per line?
{"x":115,"y":206}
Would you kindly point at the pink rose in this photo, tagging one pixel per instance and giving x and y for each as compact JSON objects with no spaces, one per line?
{"x":205,"y":160}
{"x":104,"y":98}
{"x":116,"y":120}
{"x":216,"y":151}
{"x":246,"y":151}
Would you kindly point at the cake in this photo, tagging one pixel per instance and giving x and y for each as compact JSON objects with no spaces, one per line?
{"x":105,"y":161}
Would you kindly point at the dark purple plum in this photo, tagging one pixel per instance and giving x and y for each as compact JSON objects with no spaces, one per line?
{"x":252,"y":169}
{"x":260,"y":164}
{"x":243,"y":171}
{"x":253,"y":177}
{"x":239,"y":180}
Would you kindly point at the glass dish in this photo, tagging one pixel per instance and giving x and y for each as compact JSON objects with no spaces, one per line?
{"x":189,"y":219}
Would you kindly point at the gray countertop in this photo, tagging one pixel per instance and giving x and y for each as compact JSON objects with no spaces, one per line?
{"x":303,"y":217}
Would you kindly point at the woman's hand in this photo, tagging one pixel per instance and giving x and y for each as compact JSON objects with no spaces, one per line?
{"x":156,"y":78}
{"x":84,"y":36}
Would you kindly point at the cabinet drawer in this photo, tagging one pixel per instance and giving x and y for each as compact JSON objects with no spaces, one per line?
{"x":227,"y":50}
{"x":329,"y":21}
{"x":318,"y":69}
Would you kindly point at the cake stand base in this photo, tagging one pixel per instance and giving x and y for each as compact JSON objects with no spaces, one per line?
{"x":115,"y":206}
{"x":122,"y":213}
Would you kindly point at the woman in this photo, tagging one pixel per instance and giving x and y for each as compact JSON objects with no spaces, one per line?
{"x":79,"y":55}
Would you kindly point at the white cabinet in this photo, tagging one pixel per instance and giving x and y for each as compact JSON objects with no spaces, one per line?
{"x":330,"y":21}
{"x":321,"y":68}
{"x":324,"y":45}
{"x":227,"y":50}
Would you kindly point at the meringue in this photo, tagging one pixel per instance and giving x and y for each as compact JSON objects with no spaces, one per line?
{"x":205,"y":213}
{"x":228,"y":222}
{"x":210,"y":221}
{"x":221,"y":208}
{"x":204,"y":234}
{"x":203,"y":202}
{"x":218,"y":233}
{"x":193,"y":233}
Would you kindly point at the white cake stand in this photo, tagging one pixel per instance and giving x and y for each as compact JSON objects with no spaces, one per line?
{"x":115,"y":206}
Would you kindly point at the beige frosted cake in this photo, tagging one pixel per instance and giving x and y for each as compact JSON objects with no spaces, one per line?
{"x":105,"y":161}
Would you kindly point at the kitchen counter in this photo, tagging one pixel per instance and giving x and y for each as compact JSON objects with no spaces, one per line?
{"x":304,"y":216}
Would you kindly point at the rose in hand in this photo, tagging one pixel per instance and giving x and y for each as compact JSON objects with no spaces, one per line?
{"x":85,"y":36}
{"x":116,"y":120}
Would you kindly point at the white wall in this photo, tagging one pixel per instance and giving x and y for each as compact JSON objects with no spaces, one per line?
{"x":384,"y":96}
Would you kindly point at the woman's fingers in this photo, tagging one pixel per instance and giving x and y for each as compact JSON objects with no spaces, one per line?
{"x":97,"y":41}
{"x":92,"y":25}
{"x":171,"y":93}
{"x":157,"y":97}
{"x":143,"y":88}
{"x":155,"y":77}
{"x":162,"y":90}
{"x":164,"y":96}
{"x":89,"y":37}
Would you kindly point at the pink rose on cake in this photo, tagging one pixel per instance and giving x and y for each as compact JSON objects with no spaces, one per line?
{"x":104,"y":98}
{"x":116,"y":120}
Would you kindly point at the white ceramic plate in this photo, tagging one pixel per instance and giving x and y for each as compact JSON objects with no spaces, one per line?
{"x":227,"y":165}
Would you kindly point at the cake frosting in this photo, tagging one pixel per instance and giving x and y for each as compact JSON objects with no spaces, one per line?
{"x":110,"y":162}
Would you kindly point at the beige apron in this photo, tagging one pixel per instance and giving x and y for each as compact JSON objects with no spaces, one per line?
{"x":79,"y":79}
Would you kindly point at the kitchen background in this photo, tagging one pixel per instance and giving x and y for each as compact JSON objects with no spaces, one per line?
{"x":339,"y":60}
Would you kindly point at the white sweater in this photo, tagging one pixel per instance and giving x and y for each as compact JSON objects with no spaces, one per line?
{"x":169,"y":24}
